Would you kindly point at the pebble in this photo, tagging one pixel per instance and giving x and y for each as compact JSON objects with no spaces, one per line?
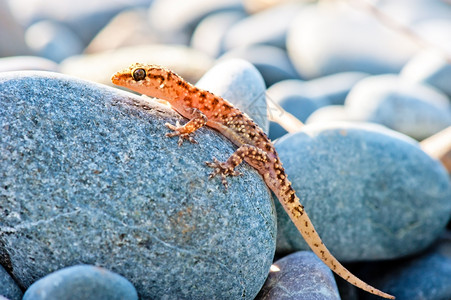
{"x":257,"y":29}
{"x":272,"y":62}
{"x":332,"y":38}
{"x":412,"y":12}
{"x":188,"y":63}
{"x":84,"y":17}
{"x":431,"y":68}
{"x":88,"y":176}
{"x":371,"y":192}
{"x":11,"y":31}
{"x":414,"y":109}
{"x":208,"y":36}
{"x":175,"y":20}
{"x":125,"y":29}
{"x":82,"y":282}
{"x":301,"y":275}
{"x":53,"y":41}
{"x":18,"y":63}
{"x":239,"y":82}
{"x":8,"y":287}
{"x":330,"y":113}
{"x":426,"y":276}
{"x":289,"y":94}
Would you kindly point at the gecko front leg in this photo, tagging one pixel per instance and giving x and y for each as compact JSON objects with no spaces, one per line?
{"x":185,"y":132}
{"x":252,"y":155}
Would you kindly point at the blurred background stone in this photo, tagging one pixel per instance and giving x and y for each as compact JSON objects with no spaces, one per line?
{"x":335,"y":37}
{"x":175,"y":20}
{"x":272,"y":62}
{"x":209,"y":34}
{"x":188,"y":63}
{"x":268,"y":27}
{"x":17,"y":63}
{"x":414,"y":109}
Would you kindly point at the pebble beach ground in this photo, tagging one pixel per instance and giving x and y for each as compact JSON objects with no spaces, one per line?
{"x":97,"y":203}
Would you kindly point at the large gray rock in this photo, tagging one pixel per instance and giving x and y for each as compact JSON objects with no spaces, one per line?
{"x":88,"y":176}
{"x":372,"y":193}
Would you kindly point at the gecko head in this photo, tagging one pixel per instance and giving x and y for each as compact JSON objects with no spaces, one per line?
{"x":141,"y":78}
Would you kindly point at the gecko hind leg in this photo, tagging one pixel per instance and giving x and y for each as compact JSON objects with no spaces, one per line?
{"x":251,"y":154}
{"x":185,"y":132}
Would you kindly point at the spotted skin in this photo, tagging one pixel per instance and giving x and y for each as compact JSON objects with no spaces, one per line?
{"x":204,"y":108}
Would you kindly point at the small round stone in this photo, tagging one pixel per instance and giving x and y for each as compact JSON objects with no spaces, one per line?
{"x":81,"y":282}
{"x":301,"y":275}
{"x":414,"y":109}
{"x":334,"y":37}
{"x":239,"y":82}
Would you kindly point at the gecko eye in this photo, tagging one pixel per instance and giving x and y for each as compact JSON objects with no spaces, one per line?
{"x":139,"y":74}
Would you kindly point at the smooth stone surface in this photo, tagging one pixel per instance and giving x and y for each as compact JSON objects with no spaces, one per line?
{"x":53,"y":41}
{"x":427,"y":276}
{"x":334,"y":88}
{"x":414,"y":109}
{"x":12,"y":32}
{"x":435,"y":33}
{"x":333,"y":38}
{"x":175,"y":20}
{"x":301,"y":275}
{"x":411,"y":12}
{"x":88,"y":176}
{"x":85,"y":17}
{"x":431,"y":68}
{"x":19,"y":63}
{"x":272,"y":62}
{"x":371,"y":193}
{"x":8,"y":287}
{"x":188,"y":63}
{"x":125,"y":29}
{"x":289,"y":95}
{"x":268,"y":27}
{"x":331,"y":113}
{"x":239,"y":82}
{"x":82,"y":282}
{"x":209,"y":34}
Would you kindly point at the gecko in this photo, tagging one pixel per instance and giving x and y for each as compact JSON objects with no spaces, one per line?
{"x":203,"y":108}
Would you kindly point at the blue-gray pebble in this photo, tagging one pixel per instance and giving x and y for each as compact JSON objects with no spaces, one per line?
{"x":8,"y":287}
{"x":335,"y":37}
{"x":209,"y":34}
{"x":301,"y":275}
{"x":427,"y":276}
{"x":268,"y":27}
{"x":239,"y":82}
{"x":372,"y":193}
{"x":429,"y":67}
{"x":272,"y":62}
{"x":414,"y":109}
{"x":82,"y":282}
{"x":88,"y":176}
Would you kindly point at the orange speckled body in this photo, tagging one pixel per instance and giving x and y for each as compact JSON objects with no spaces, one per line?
{"x":205,"y":108}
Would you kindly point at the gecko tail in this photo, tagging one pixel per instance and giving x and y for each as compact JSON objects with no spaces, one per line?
{"x":305,"y":227}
